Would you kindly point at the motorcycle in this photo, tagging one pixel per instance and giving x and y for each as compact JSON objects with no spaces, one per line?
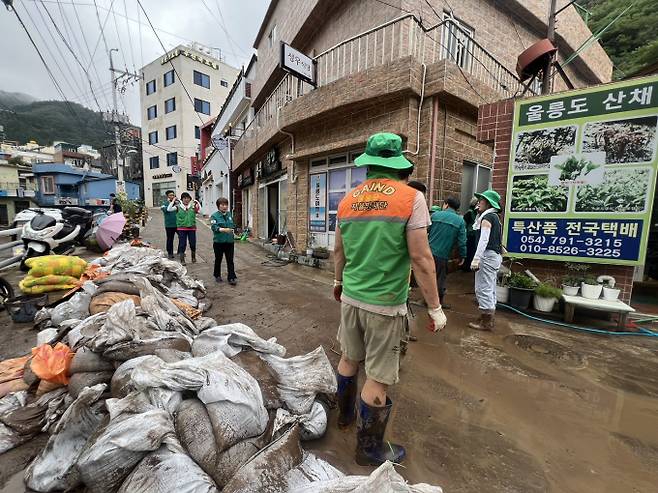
{"x":44,"y":234}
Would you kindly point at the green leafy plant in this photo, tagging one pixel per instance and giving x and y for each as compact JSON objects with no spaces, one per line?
{"x":623,"y":191}
{"x":535,"y":148}
{"x":534,"y":194}
{"x":546,"y":290}
{"x":591,"y":280}
{"x":574,"y":168}
{"x":520,"y":280}
{"x":573,"y":281}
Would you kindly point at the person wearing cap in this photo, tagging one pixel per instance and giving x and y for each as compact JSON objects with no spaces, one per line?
{"x":487,"y":258}
{"x":381,"y":232}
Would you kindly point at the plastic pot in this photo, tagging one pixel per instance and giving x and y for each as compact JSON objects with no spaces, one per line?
{"x":543,"y":304}
{"x":520,"y":298}
{"x":611,"y":294}
{"x":591,"y":291}
{"x":502,"y":294}
{"x":570,"y":290}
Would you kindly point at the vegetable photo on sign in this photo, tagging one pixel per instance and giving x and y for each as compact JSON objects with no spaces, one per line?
{"x":532,"y":193}
{"x":624,"y":190}
{"x":578,"y":169}
{"x":624,"y":141}
{"x":534,"y":149}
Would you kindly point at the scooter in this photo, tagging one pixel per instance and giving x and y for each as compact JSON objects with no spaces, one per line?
{"x":45,"y":234}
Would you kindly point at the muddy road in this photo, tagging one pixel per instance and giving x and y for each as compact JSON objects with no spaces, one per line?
{"x":529,"y":408}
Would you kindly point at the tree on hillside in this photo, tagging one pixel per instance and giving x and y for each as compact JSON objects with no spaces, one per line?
{"x":632,"y":41}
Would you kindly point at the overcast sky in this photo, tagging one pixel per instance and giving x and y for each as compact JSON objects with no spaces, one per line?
{"x":176,"y":21}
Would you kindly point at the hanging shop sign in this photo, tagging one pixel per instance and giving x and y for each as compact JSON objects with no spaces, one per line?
{"x":270,"y":164}
{"x":245,"y":179}
{"x":317,"y":207}
{"x":298,"y":64}
{"x":582,"y":174}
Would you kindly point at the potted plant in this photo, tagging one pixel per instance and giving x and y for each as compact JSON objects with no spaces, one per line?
{"x":572,"y":281}
{"x":320,"y":252}
{"x":610,"y":293}
{"x":502,"y":288}
{"x":591,"y":288}
{"x":545,"y":297}
{"x":521,"y":288}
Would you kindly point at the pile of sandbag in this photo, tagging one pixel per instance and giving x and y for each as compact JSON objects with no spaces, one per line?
{"x":158,"y":395}
{"x":52,"y":273}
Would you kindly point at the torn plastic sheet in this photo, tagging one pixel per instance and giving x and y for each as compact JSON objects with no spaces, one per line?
{"x":312,"y":469}
{"x":231,"y":339}
{"x":301,"y":378}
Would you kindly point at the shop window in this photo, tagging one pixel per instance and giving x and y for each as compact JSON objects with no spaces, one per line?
{"x":358,"y":176}
{"x":475,"y":178}
{"x":337,"y":160}
{"x":47,"y":185}
{"x":172,"y":159}
{"x":457,"y":41}
{"x":318,"y":162}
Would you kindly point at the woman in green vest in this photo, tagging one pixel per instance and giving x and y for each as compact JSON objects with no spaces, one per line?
{"x":186,"y":211}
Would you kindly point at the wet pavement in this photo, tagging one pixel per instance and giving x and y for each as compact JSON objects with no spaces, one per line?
{"x":529,"y":408}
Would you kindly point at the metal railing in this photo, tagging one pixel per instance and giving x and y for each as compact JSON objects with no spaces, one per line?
{"x":393,"y":40}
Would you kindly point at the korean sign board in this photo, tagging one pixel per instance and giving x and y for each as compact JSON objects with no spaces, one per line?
{"x":582,"y":174}
{"x":298,"y":64}
{"x":317,"y":207}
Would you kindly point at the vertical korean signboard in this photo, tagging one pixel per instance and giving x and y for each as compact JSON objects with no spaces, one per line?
{"x":317,"y":207}
{"x":582,"y":174}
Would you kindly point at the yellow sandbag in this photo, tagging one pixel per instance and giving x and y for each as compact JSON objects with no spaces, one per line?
{"x":62,"y":265}
{"x":45,"y":284}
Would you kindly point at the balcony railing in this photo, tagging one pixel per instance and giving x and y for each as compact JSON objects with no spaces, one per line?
{"x":396,"y":39}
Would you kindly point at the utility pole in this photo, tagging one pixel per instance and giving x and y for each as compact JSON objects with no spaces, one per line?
{"x":547,"y":80}
{"x":116,"y":75}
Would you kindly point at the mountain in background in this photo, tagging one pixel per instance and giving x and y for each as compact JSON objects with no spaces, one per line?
{"x":48,"y":121}
{"x":632,"y":41}
{"x":12,"y":99}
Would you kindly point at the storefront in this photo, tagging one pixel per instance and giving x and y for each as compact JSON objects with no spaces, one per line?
{"x":330,"y":178}
{"x":159,"y":188}
{"x":245,"y":189}
{"x":272,"y":196}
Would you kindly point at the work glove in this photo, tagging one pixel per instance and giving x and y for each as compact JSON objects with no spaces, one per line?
{"x":338,"y":290}
{"x":475,"y":264}
{"x":437,"y":319}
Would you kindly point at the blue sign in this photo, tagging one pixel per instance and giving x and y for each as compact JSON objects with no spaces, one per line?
{"x":610,"y":239}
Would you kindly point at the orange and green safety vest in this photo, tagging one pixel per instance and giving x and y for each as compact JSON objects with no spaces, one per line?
{"x":373,"y":220}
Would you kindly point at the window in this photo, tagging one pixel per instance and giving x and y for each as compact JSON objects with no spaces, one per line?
{"x":475,"y":178}
{"x":271,"y":38}
{"x":223,"y":83}
{"x":197,"y":132}
{"x":201,"y":79}
{"x":154,"y":162}
{"x":457,"y":41}
{"x":151,"y":112}
{"x":172,"y":159}
{"x":150,"y":87}
{"x":201,"y":106}
{"x":170,"y":105}
{"x":170,"y":132}
{"x":153,"y":137}
{"x":169,"y":78}
{"x":47,"y":185}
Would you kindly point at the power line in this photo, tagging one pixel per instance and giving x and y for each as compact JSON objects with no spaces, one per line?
{"x":116,"y":28}
{"x":101,"y":35}
{"x":234,"y":44}
{"x":130,"y":41}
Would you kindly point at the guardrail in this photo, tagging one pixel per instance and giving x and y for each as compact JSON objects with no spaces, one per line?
{"x":393,"y":40}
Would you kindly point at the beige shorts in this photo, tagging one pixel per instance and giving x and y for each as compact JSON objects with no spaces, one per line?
{"x":375,"y":338}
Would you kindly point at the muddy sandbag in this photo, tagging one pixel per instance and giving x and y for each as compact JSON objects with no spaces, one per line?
{"x":233,"y":338}
{"x":123,"y":351}
{"x":301,"y":378}
{"x":384,"y":478}
{"x":8,"y":437}
{"x":54,"y":468}
{"x":75,"y":308}
{"x":172,"y":355}
{"x":104,"y":301}
{"x":266,"y":471}
{"x":79,"y":381}
{"x":195,"y":433}
{"x":312,"y":425}
{"x":258,"y":369}
{"x":115,"y":451}
{"x":204,"y":323}
{"x":116,"y":286}
{"x":168,"y":469}
{"x":85,"y":360}
{"x":121,"y":384}
{"x":311,"y":470}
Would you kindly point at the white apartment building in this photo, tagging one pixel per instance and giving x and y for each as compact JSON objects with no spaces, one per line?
{"x":173,"y":112}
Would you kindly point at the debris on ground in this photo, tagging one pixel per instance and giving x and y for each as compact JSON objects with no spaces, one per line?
{"x":138,"y":391}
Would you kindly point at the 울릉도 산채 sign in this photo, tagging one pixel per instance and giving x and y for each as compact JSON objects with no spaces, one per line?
{"x":582,"y":174}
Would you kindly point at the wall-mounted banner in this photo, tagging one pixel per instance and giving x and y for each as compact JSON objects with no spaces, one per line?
{"x":582,"y":174}
{"x":317,"y":207}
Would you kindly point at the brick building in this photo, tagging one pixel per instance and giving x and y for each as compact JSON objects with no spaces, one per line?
{"x":405,"y":66}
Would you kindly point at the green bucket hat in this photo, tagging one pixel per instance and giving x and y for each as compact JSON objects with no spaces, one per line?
{"x":384,"y":149}
{"x":435,"y":208}
{"x":491,"y":196}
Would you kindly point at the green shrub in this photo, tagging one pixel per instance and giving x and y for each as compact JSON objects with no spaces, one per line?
{"x":521,"y":281}
{"x":591,"y":280}
{"x":547,"y":291}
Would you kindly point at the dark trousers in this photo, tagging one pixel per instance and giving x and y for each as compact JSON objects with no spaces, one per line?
{"x":171,"y":234}
{"x":221,"y":249}
{"x":185,"y":235}
{"x":471,"y":246}
{"x":441,"y":265}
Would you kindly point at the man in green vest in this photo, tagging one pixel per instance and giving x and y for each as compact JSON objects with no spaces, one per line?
{"x":169,"y":222}
{"x":381,"y":233}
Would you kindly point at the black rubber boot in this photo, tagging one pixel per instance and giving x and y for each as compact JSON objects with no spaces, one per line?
{"x":371,"y":449}
{"x":194,"y":256}
{"x":182,"y":258}
{"x":346,"y":397}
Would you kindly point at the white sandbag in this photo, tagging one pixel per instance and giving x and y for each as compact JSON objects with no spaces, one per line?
{"x":312,"y":469}
{"x":384,"y":478}
{"x":76,"y":308}
{"x":121,"y":384}
{"x":53,"y":469}
{"x":114,"y":452}
{"x":85,"y":360}
{"x":231,"y":339}
{"x":204,"y":323}
{"x":166,"y":470}
{"x":301,"y":378}
{"x":79,"y":381}
{"x":148,"y":342}
{"x":45,"y":336}
{"x":172,"y":355}
{"x":313,"y":425}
